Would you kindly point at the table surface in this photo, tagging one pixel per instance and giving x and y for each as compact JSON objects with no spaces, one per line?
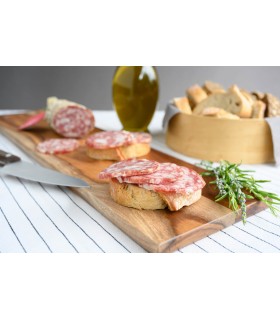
{"x":42,"y":218}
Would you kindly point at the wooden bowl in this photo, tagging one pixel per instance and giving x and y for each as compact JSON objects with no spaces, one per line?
{"x":245,"y":140}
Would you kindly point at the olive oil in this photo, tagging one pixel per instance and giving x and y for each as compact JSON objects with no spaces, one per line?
{"x":135,"y":96}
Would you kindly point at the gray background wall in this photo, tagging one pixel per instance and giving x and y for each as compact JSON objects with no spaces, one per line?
{"x":28,"y":87}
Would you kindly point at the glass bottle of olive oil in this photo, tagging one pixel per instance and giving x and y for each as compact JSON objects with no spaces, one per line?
{"x":135,"y":96}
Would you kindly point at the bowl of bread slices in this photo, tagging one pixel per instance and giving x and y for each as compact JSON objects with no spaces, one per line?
{"x":213,"y":123}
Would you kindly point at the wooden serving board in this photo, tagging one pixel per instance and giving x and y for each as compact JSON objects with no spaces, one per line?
{"x":156,"y":231}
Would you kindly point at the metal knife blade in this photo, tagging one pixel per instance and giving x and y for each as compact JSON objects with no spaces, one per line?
{"x":14,"y":166}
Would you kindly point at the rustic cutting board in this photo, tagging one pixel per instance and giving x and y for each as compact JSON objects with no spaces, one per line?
{"x":156,"y":231}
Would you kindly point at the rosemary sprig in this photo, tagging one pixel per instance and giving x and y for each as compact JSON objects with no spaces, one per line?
{"x":231,"y":182}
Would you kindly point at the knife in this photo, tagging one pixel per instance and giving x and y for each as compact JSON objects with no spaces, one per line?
{"x":14,"y":166}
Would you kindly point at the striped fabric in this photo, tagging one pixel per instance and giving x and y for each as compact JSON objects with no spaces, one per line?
{"x":42,"y":218}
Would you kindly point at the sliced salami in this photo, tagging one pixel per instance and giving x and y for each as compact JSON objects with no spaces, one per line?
{"x":166,"y":173}
{"x":56,"y":146}
{"x":110,"y":139}
{"x":142,"y":137}
{"x":129,"y":168}
{"x":190,"y":182}
{"x":73,"y":121}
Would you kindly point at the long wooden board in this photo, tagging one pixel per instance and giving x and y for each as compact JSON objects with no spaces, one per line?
{"x":156,"y":231}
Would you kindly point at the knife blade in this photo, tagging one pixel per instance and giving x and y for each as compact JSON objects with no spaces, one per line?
{"x":14,"y":166}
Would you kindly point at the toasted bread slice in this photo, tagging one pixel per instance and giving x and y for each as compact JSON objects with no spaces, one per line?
{"x":183,"y":105}
{"x":133,"y":196}
{"x":259,"y":95}
{"x":121,"y":153}
{"x":213,"y":87}
{"x":195,"y":95}
{"x":232,"y":101}
{"x":259,"y":108}
{"x":218,"y":113}
{"x":249,"y":96}
{"x":272,"y":105}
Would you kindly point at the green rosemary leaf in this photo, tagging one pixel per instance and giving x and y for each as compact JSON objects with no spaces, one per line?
{"x":249,"y":197}
{"x":207,"y":174}
{"x":221,"y":198}
{"x":213,"y":182}
{"x":237,"y":186}
{"x":272,"y":196}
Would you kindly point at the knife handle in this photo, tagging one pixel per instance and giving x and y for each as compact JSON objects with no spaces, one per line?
{"x":6,"y":158}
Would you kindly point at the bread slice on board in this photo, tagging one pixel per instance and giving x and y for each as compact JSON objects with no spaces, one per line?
{"x":130,"y":195}
{"x":120,"y":153}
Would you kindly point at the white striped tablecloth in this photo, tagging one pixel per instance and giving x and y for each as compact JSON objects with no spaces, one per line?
{"x":41,"y":218}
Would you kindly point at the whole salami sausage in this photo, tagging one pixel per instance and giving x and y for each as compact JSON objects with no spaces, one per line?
{"x":69,"y":119}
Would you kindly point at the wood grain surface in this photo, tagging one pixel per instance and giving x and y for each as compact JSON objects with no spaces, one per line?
{"x":156,"y":231}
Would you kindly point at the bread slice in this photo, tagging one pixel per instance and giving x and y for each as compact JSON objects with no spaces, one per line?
{"x":259,"y":108}
{"x":272,"y":105}
{"x":250,"y":97}
{"x":259,"y":95}
{"x":232,"y":101}
{"x":130,"y":195}
{"x":218,"y":113}
{"x":183,"y":105}
{"x":195,"y":95}
{"x":120,"y":153}
{"x":213,"y":87}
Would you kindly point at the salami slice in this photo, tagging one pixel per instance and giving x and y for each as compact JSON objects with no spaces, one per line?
{"x":190,"y":182}
{"x":110,"y":139}
{"x":142,"y":137}
{"x":73,"y":121}
{"x":129,"y":168}
{"x":55,"y":146}
{"x":166,"y":173}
